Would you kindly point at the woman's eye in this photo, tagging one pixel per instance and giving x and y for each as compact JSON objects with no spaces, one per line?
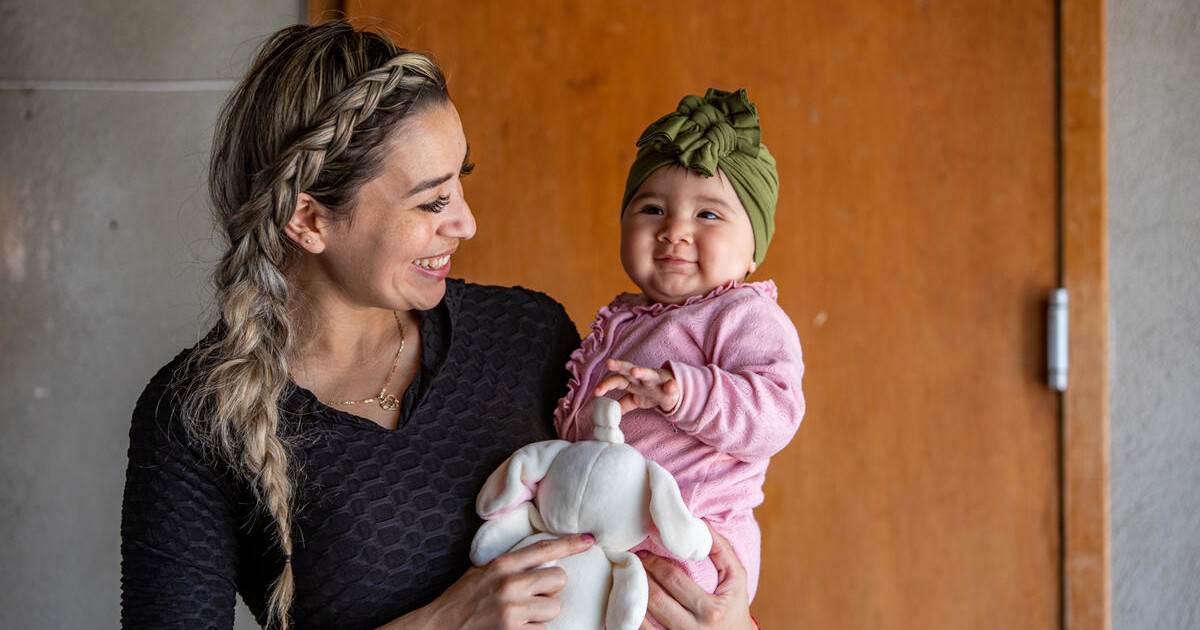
{"x":436,"y":205}
{"x":466,"y":169}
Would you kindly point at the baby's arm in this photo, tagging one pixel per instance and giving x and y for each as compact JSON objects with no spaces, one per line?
{"x":746,"y":401}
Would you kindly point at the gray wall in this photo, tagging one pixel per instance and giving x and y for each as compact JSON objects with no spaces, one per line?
{"x":106,"y":116}
{"x":106,"y":111}
{"x":1154,"y":276}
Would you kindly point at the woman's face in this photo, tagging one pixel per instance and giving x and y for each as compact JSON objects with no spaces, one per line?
{"x":393,"y":250}
{"x":684,"y":235}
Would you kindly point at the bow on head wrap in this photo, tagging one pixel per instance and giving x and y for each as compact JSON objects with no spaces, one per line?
{"x":703,"y":134}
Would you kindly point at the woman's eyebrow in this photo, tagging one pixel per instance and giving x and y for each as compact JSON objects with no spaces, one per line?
{"x":429,"y":183}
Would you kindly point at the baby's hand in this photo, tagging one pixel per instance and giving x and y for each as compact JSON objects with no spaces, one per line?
{"x":646,"y":388}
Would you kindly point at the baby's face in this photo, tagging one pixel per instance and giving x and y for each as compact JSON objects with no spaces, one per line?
{"x":684,"y":235}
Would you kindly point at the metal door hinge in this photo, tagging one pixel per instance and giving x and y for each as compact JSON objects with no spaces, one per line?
{"x":1057,"y":344}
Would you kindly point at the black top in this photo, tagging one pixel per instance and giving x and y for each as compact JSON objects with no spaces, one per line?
{"x":383,"y":519}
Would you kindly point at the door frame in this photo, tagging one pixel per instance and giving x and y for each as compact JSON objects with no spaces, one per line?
{"x":1083,"y":235}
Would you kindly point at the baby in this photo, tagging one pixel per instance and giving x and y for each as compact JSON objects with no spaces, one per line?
{"x":706,"y":366}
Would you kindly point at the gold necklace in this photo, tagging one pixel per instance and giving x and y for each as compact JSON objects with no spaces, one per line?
{"x":387,"y":401}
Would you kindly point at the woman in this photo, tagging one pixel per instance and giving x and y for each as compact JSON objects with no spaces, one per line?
{"x":261,"y":463}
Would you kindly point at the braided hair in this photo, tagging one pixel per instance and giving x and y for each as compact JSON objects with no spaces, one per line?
{"x":312,"y":115}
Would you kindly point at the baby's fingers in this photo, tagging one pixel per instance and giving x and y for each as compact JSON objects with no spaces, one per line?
{"x":629,"y":402}
{"x":617,"y":365}
{"x":611,"y":382}
{"x":651,"y":377}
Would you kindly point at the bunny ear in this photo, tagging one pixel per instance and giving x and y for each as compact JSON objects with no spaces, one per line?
{"x":681,"y":533}
{"x":504,"y":532}
{"x":514,"y":481}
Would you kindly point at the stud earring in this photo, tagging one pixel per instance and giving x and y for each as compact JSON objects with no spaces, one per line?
{"x":308,"y":241}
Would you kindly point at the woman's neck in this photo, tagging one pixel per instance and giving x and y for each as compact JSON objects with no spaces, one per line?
{"x":345,"y":353}
{"x":335,"y":332}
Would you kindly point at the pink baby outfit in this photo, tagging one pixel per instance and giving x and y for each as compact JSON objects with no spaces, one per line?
{"x":737,"y":358}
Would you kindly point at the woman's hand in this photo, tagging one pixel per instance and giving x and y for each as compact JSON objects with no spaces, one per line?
{"x":508,"y":592}
{"x":678,"y":603}
{"x":647,"y":387}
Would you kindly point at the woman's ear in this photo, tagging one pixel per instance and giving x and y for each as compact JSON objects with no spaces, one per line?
{"x":306,"y":225}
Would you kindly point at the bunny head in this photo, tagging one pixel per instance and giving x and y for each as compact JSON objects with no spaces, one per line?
{"x":599,"y":487}
{"x":602,"y":486}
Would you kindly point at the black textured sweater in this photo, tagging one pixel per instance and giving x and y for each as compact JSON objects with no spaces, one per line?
{"x":383,"y":519}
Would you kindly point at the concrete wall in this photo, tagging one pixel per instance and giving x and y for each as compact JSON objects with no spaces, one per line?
{"x":106,"y":111}
{"x":1154,"y":232}
{"x":106,"y":116}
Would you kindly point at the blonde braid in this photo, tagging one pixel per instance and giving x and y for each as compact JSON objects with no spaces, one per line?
{"x":247,"y":377}
{"x":243,"y":373}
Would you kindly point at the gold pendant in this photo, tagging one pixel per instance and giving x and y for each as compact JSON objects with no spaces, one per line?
{"x":389,"y":402}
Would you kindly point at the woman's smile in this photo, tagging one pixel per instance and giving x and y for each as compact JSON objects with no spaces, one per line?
{"x":435,"y":263}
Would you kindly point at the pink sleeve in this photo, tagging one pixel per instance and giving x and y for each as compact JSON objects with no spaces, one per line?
{"x":747,"y":402}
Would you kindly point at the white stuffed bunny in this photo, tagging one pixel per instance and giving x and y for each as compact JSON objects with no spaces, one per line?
{"x":602,"y":487}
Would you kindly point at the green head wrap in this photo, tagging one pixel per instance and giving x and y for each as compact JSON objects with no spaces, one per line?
{"x":703,"y":134}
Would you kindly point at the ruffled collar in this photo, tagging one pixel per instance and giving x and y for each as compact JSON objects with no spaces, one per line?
{"x":638,"y":304}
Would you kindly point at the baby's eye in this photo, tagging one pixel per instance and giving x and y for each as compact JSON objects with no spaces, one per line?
{"x":436,"y":205}
{"x":654,"y":210}
{"x":708,"y":214}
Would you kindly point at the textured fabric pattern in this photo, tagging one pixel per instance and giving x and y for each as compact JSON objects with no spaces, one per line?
{"x":738,"y":362}
{"x":384,"y":519}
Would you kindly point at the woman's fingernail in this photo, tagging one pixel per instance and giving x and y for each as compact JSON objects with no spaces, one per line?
{"x":588,"y":538}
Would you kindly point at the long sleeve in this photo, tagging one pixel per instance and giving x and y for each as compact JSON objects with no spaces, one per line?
{"x":178,"y":542}
{"x":747,"y":401}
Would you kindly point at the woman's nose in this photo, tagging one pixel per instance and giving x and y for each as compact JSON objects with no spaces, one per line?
{"x":460,"y":222}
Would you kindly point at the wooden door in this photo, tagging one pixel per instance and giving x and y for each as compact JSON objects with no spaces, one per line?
{"x":916,"y":243}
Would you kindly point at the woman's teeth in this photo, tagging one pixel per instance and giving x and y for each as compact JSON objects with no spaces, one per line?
{"x":433,"y":263}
